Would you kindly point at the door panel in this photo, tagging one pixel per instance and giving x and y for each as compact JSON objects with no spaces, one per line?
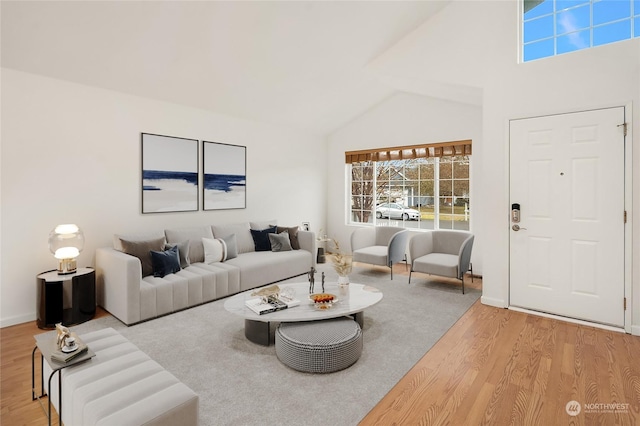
{"x":567,"y":174}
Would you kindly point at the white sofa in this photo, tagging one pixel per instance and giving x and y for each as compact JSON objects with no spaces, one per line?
{"x":125,"y":292}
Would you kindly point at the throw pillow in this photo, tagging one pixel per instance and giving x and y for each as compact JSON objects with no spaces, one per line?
{"x":280,"y":242}
{"x":183,"y":252}
{"x":141,"y":250}
{"x":259,"y":226}
{"x":293,"y":236}
{"x":165,"y":262}
{"x":244,"y":240}
{"x":232,"y":246}
{"x":214,"y":250}
{"x":261,"y":238}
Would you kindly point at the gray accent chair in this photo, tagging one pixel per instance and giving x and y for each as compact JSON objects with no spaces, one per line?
{"x":379,"y":245}
{"x":443,"y":253}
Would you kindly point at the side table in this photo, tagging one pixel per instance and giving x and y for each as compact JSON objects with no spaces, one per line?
{"x":50,"y":305}
{"x":46,"y":348}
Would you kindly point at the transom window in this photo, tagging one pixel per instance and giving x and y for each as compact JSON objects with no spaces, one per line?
{"x":423,"y":189}
{"x":553,"y":27}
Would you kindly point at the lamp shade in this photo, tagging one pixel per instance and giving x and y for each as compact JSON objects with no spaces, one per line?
{"x":66,"y":243}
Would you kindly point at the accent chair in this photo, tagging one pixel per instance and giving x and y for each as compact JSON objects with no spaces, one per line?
{"x":442,"y":253}
{"x":379,"y":245}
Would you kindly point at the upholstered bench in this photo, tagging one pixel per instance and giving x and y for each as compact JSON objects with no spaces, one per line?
{"x":120,"y":386}
{"x":319,"y":346}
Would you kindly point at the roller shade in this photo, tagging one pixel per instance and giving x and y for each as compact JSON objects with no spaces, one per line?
{"x":442,"y":149}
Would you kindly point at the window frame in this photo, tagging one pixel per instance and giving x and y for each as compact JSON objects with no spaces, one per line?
{"x":592,"y":28}
{"x":355,"y":215}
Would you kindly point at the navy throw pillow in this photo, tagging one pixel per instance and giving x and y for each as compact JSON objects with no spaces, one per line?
{"x":165,"y":262}
{"x":261,"y":238}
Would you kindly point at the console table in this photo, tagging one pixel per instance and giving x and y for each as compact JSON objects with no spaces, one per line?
{"x":50,"y":299}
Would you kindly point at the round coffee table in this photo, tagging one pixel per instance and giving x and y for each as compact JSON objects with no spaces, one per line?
{"x":352,"y":301}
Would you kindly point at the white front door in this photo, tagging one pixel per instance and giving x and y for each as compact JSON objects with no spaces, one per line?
{"x":567,"y":175}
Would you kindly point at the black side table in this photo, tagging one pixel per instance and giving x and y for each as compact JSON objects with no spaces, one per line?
{"x":50,"y":305}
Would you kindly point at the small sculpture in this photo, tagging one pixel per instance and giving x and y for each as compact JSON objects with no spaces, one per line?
{"x":312,"y":279}
{"x":323,"y":282}
{"x":63,"y":334}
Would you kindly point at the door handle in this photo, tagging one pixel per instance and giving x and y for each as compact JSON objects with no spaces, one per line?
{"x":517,"y":228}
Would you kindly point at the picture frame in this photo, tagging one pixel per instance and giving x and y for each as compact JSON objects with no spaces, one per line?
{"x":170,"y":179}
{"x":224,"y":168}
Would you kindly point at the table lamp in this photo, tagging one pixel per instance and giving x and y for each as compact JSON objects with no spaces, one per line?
{"x":66,"y":243}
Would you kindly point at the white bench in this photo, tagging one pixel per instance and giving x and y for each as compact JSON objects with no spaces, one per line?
{"x":121,"y":386}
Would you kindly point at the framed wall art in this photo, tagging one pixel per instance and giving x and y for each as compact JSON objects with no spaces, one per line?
{"x":225,"y":168}
{"x":169,"y":174}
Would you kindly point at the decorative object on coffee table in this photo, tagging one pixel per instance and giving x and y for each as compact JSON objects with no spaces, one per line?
{"x":312,"y":279}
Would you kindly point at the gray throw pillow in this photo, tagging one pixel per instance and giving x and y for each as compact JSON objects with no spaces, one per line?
{"x":280,"y":242}
{"x":232,"y":246}
{"x":293,"y":235}
{"x":142,"y":250}
{"x":183,"y":252}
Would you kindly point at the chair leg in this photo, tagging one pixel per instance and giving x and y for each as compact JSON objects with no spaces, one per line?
{"x":410,"y":275}
{"x":462,"y":284}
{"x":471,"y":267}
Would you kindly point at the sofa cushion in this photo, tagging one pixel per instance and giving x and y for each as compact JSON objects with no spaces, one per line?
{"x":242,"y":232}
{"x":443,"y":264}
{"x":183,"y":252}
{"x":261,"y":238}
{"x":194,"y":235}
{"x":137,"y":236}
{"x":280,"y":242}
{"x":259,"y":226}
{"x":232,"y":246}
{"x":214,"y":250}
{"x":142,"y":250}
{"x":293,"y":235}
{"x":165,"y":262}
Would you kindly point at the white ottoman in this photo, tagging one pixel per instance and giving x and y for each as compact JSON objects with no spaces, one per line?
{"x":319,"y":346}
{"x":121,"y":386}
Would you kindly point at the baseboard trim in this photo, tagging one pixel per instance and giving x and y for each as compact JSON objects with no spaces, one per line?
{"x":497,"y":303}
{"x":567,"y":319}
{"x":8,"y":322}
{"x":635,"y":330}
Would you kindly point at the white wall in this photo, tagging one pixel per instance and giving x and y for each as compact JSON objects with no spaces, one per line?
{"x":71,"y":153}
{"x":403,"y":119}
{"x":594,"y":78}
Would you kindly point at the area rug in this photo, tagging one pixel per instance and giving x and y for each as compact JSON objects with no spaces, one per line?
{"x":242,"y":383}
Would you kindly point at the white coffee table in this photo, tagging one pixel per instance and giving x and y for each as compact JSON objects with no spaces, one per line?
{"x":352,"y":301}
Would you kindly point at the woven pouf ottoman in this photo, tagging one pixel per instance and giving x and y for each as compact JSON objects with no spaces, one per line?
{"x":319,"y":346}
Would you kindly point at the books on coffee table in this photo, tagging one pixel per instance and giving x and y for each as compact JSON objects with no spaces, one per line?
{"x":273,"y":304}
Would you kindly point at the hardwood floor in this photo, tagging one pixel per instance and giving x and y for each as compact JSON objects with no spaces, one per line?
{"x":493,"y":367}
{"x":501,"y":367}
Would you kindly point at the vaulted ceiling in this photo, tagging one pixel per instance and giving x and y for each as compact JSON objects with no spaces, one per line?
{"x":296,"y":63}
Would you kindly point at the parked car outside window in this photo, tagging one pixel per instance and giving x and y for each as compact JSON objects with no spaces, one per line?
{"x":396,"y":211}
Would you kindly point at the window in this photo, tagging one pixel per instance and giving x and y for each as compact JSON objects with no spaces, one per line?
{"x":553,"y":27}
{"x":423,"y":187}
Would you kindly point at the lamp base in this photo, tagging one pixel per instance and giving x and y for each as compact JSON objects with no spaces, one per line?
{"x":67,"y":266}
